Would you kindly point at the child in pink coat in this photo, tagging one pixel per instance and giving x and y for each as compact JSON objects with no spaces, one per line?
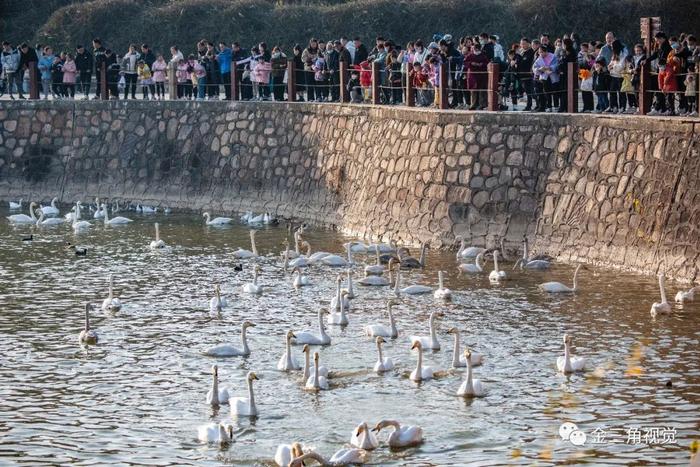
{"x":160,"y":74}
{"x":69,"y":73}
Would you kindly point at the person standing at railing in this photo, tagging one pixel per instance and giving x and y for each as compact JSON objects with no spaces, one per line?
{"x":129,"y":71}
{"x":160,"y":74}
{"x":527,"y":59}
{"x":83,"y":64}
{"x":546,"y":73}
{"x":263,"y":69}
{"x":278,"y":64}
{"x":601,"y":84}
{"x":69,"y":76}
{"x":308,"y":57}
{"x":660,"y":55}
{"x":45,"y":63}
{"x":57,"y":77}
{"x":238,"y":56}
{"x":223,"y":58}
{"x":455,"y":63}
{"x":199,"y":78}
{"x":10,"y":67}
{"x":511,"y":81}
{"x":476,"y":66}
{"x":361,"y":53}
{"x":149,"y":58}
{"x":568,"y":56}
{"x":98,"y":52}
{"x":28,"y":55}
{"x":145,"y":78}
{"x":668,"y":83}
{"x":333,"y":65}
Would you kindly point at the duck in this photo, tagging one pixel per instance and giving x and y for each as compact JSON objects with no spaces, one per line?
{"x":287,"y":362}
{"x":28,"y":238}
{"x":376,"y":269}
{"x":570,"y":363}
{"x":78,"y":250}
{"x":216,"y":221}
{"x":157,"y":244}
{"x":380,"y":330}
{"x":363,"y":438}
{"x":216,"y":395}
{"x":558,"y":287}
{"x":409,"y":262}
{"x":442,"y":293}
{"x":88,"y":336}
{"x":228,"y":350}
{"x":308,"y":337}
{"x":349,"y":288}
{"x":458,"y":360}
{"x":219,"y":433}
{"x":99,"y":211}
{"x":415,"y":289}
{"x":403,"y":436}
{"x":51,"y":210}
{"x":41,"y":222}
{"x":245,"y":406}
{"x":342,"y":457}
{"x":525,"y":262}
{"x":470,"y":387}
{"x":322,"y":370}
{"x":430,"y":342}
{"x":336,"y":260}
{"x":253,"y":287}
{"x":663,"y":306}
{"x":465,"y":252}
{"x":111,"y":303}
{"x":683,"y":296}
{"x":217,"y":302}
{"x":300,"y":279}
{"x":241,"y":253}
{"x":316,"y":382}
{"x":383,"y":364}
{"x":119,"y":220}
{"x":335,"y":301}
{"x":421,"y":373}
{"x":285,"y":453}
{"x":496,"y":275}
{"x":23,"y":218}
{"x":16,"y":205}
{"x":339,"y":317}
{"x":473,"y":268}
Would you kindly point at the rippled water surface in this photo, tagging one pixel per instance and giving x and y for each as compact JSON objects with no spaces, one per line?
{"x":138,"y":396}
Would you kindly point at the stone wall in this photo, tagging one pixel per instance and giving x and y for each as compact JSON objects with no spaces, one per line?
{"x":620,"y":191}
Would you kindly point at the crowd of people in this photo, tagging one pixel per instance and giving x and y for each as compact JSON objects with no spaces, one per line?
{"x":533,"y":72}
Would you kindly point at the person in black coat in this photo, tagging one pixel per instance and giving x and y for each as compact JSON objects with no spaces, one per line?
{"x":109,"y":59}
{"x":527,"y":59}
{"x":28,"y":55}
{"x":99,"y":53}
{"x":83,"y":64}
{"x":570,"y":56}
{"x":361,"y":53}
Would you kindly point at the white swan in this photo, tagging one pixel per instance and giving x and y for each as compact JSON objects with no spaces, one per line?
{"x":335,"y":301}
{"x":376,"y":281}
{"x":339,"y":317}
{"x":157,"y":244}
{"x":342,"y":457}
{"x":458,"y":359}
{"x":147,"y":209}
{"x":570,"y":363}
{"x":473,"y":268}
{"x":286,"y":453}
{"x":415,"y":289}
{"x":14,"y":206}
{"x":381,"y":247}
{"x":41,"y":222}
{"x":245,"y":406}
{"x":287,"y":362}
{"x":322,"y":370}
{"x":216,"y":220}
{"x":228,"y":350}
{"x":241,"y":253}
{"x":23,"y":218}
{"x":683,"y":296}
{"x":376,"y":269}
{"x":253,"y":287}
{"x":470,"y":387}
{"x":527,"y":263}
{"x":402,"y":436}
{"x":302,"y":261}
{"x":421,"y":372}
{"x":216,"y":395}
{"x":383,"y":364}
{"x":558,"y":287}
{"x":376,"y":330}
{"x":338,"y":261}
{"x":363,"y":438}
{"x":442,"y":293}
{"x":111,"y":303}
{"x":220,"y":433}
{"x":51,"y":210}
{"x":349,"y":288}
{"x":253,"y":219}
{"x":357,"y":246}
{"x":663,"y":306}
{"x":88,"y":336}
{"x":100,"y":211}
{"x":217,"y":302}
{"x":430,"y":342}
{"x":496,"y":275}
{"x":300,"y":279}
{"x":78,"y":224}
{"x":247,"y":215}
{"x":468,"y":252}
{"x":316,"y":382}
{"x":119,"y":220}
{"x":308,"y":337}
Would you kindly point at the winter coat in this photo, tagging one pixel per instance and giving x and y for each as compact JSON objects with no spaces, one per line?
{"x":99,"y":55}
{"x":476,"y":66}
{"x":667,"y":76}
{"x":262,"y":72}
{"x":69,"y":72}
{"x":159,"y":70}
{"x":309,"y":57}
{"x":45,"y":64}
{"x":83,"y":61}
{"x":549,"y":61}
{"x":278,"y":63}
{"x":145,"y":74}
{"x":601,"y":80}
{"x":148,"y":58}
{"x":10,"y":61}
{"x":129,"y":63}
{"x":183,"y":72}
{"x":224,"y":59}
{"x":360,"y":55}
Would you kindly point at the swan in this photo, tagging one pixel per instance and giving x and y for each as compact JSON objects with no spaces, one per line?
{"x":227,"y":350}
{"x":357,"y":246}
{"x":70,"y":215}
{"x":216,"y":396}
{"x":527,"y":263}
{"x":442,"y":293}
{"x":411,"y":289}
{"x":664,"y":306}
{"x":87,"y":336}
{"x":216,"y":220}
{"x":253,"y":219}
{"x":470,"y":387}
{"x":335,"y":301}
{"x":292,"y":254}
{"x":322,"y":370}
{"x":421,"y":373}
{"x":100,"y":211}
{"x":468,"y":252}
{"x":458,"y":360}
{"x":374,"y":281}
{"x":316,"y":382}
{"x":473,"y":268}
{"x":240,"y":253}
{"x":496,"y":275}
{"x":376,"y":330}
{"x":157,"y":244}
{"x":430,"y":342}
{"x":308,"y":337}
{"x":402,"y":436}
{"x":50,"y":221}
{"x":78,"y":224}
{"x":682,"y":296}
{"x":339,"y":317}
{"x":300,"y":279}
{"x":111,"y":303}
{"x":336,"y":260}
{"x":570,"y":363}
{"x":253,"y":287}
{"x":116,"y":220}
{"x":14,"y":206}
{"x":376,"y":269}
{"x":342,"y":457}
{"x":246,"y":216}
{"x":382,"y":248}
{"x":383,"y":364}
{"x":245,"y":406}
{"x":558,"y":287}
{"x":411,"y":262}
{"x":50,"y":210}
{"x":302,"y":261}
{"x":287,"y":361}
{"x":286,"y":453}
{"x":147,"y":209}
{"x":363,"y":438}
{"x":269,"y":220}
{"x":217,"y":302}
{"x":215,"y":433}
{"x":350,"y":290}
{"x":23,"y":218}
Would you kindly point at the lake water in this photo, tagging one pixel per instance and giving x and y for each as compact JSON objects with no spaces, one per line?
{"x":138,"y":396}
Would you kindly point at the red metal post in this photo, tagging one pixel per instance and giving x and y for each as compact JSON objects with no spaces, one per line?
{"x":494,"y":72}
{"x":376,"y":77}
{"x":291,"y":82}
{"x":33,"y":81}
{"x":234,"y":84}
{"x":572,"y":87}
{"x":444,"y":90}
{"x":645,"y":96}
{"x":410,"y":92}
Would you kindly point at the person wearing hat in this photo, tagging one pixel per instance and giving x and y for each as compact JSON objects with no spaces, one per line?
{"x":83,"y":64}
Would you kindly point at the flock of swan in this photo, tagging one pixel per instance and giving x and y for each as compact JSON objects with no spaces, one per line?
{"x":383,"y":269}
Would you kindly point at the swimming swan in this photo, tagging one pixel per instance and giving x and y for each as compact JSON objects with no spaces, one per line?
{"x":322,"y":370}
{"x":300,"y":279}
{"x":342,"y":457}
{"x":470,"y":387}
{"x":402,"y":436}
{"x":375,"y":330}
{"x":336,"y":260}
{"x":157,"y":244}
{"x":570,"y":363}
{"x":664,"y":306}
{"x":14,"y":206}
{"x":50,"y":221}
{"x":316,"y":382}
{"x":682,"y":296}
{"x":473,"y":268}
{"x":23,"y":218}
{"x":339,"y":295}
{"x":558,"y":287}
{"x":363,"y":438}
{"x":245,"y":406}
{"x":383,"y":364}
{"x":253,"y":287}
{"x":308,"y":337}
{"x":111,"y":303}
{"x":216,"y":220}
{"x":220,"y":433}
{"x":496,"y":275}
{"x":458,"y":359}
{"x":421,"y":373}
{"x":430,"y":342}
{"x":50,"y":210}
{"x":88,"y":336}
{"x":415,"y":289}
{"x":442,"y":293}
{"x":339,"y":317}
{"x":287,"y":362}
{"x":349,"y":288}
{"x":216,"y":395}
{"x":217,"y":302}
{"x":286,"y":453}
{"x":468,"y":252}
{"x":240,"y":253}
{"x":527,"y":263}
{"x":376,"y":269}
{"x":115,"y":221}
{"x":228,"y":350}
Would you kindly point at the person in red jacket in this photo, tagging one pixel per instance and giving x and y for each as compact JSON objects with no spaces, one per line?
{"x":475,"y":66}
{"x":668,"y":82}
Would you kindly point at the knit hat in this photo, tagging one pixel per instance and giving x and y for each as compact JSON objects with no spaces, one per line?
{"x":447,"y":37}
